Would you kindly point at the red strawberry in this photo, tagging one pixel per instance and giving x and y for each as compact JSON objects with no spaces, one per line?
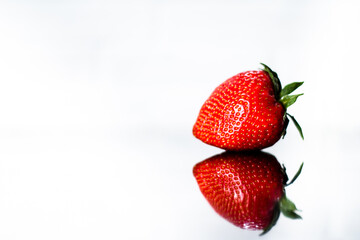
{"x":246,"y":188}
{"x":247,"y":112}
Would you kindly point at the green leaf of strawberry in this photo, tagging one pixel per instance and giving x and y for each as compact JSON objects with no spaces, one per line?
{"x":288,"y":208}
{"x":297,"y":125}
{"x":295,"y":176}
{"x":275,"y":80}
{"x":289,"y":100}
{"x":290,"y":88}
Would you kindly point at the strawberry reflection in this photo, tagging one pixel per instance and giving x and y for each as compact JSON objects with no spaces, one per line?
{"x":246,"y":188}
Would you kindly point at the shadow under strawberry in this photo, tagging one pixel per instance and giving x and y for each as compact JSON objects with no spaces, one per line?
{"x":246,"y":188}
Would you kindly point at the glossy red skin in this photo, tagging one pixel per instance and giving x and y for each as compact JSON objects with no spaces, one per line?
{"x":241,"y":114}
{"x":242,"y":187}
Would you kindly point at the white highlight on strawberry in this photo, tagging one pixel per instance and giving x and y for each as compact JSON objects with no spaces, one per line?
{"x":235,"y":114}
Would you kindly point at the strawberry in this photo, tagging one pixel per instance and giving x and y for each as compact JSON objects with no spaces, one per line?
{"x":247,"y":112}
{"x":246,"y":188}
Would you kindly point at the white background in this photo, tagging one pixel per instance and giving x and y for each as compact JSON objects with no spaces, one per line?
{"x":98,"y":99}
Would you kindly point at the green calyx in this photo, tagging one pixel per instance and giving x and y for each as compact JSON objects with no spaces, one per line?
{"x":287,"y":208}
{"x":286,"y":179}
{"x":283,"y":96}
{"x":285,"y":205}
